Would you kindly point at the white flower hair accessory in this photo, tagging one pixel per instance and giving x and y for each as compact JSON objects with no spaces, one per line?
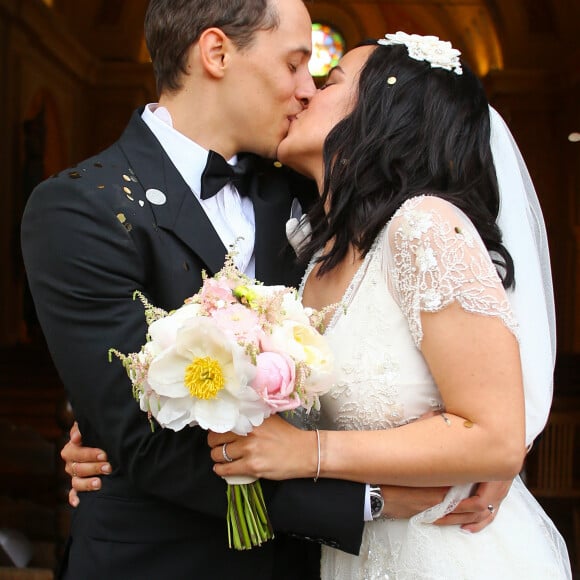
{"x":438,"y":53}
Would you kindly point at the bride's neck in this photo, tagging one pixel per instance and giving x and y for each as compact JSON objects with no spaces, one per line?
{"x":329,"y":288}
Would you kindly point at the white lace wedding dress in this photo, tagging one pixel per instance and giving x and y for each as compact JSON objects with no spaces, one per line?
{"x":426,"y":257}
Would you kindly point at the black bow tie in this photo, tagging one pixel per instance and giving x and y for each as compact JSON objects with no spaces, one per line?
{"x":218,"y":173}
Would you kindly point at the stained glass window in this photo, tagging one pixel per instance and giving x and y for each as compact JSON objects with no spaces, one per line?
{"x":327,"y":48}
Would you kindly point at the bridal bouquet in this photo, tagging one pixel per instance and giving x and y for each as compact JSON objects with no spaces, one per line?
{"x":232,"y":355}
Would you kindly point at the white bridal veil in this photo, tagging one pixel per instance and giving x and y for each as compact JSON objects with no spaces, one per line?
{"x":532,"y":300}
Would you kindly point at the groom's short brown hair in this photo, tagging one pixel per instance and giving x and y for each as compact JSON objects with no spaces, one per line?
{"x":172,"y":26}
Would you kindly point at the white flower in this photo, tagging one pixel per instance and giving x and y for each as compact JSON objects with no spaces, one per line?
{"x":308,"y":348}
{"x":290,"y":307}
{"x":438,"y":53}
{"x":302,"y":342}
{"x":164,"y":330}
{"x":204,"y":379}
{"x":293,"y":309}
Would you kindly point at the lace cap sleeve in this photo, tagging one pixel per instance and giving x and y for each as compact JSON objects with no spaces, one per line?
{"x":434,"y":257}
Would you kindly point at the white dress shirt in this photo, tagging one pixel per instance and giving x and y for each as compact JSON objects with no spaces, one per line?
{"x":231,"y":215}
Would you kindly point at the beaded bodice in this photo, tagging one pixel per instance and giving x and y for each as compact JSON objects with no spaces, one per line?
{"x":426,"y":257}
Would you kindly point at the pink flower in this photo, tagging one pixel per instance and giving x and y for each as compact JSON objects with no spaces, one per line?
{"x":239,"y":322}
{"x":275,"y":380}
{"x":216,"y":293}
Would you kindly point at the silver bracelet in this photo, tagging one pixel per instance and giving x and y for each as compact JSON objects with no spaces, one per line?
{"x":318,"y":462}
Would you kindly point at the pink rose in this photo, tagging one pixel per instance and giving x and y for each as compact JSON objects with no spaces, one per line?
{"x":274,"y":381}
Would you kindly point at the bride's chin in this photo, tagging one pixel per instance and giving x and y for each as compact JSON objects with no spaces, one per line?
{"x":297,"y":160}
{"x":297,"y":165}
{"x":288,"y":157}
{"x":284,"y":152}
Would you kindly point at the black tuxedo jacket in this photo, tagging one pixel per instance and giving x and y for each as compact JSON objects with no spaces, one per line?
{"x":90,"y":238}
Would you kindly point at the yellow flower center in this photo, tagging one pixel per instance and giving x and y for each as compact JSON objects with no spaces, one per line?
{"x":204,"y":378}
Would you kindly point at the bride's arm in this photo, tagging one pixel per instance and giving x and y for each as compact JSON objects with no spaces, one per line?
{"x":474,"y":360}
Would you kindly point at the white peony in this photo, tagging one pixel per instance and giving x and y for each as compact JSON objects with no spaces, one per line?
{"x":164,"y":330}
{"x":203,"y":378}
{"x":293,"y":309}
{"x":302,"y":342}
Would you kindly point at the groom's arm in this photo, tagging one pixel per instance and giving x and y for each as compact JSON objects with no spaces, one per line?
{"x":84,"y":265}
{"x":327,"y":511}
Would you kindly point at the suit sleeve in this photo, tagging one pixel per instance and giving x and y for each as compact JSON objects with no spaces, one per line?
{"x":83,"y":266}
{"x":328,"y":511}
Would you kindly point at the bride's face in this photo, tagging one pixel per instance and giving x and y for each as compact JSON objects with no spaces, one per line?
{"x":302,"y":147}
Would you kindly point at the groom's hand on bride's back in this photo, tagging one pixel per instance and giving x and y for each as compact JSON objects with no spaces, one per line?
{"x":406,"y":502}
{"x":472,"y":514}
{"x":478,"y":511}
{"x":83,"y":464}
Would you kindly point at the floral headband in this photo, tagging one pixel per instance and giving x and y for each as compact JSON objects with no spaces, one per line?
{"x":438,"y":53}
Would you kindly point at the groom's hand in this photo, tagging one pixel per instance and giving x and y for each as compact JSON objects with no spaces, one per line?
{"x":472,"y":514}
{"x":82,"y":463}
{"x":406,"y":502}
{"x":478,"y":511}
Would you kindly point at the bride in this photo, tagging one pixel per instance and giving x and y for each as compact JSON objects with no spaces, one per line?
{"x":428,"y":236}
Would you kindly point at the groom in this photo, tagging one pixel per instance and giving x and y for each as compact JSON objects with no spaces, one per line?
{"x":148,"y":214}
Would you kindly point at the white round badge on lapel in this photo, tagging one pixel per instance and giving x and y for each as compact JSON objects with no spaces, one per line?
{"x":155,"y":197}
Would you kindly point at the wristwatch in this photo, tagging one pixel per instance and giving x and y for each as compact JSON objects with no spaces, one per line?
{"x":377,"y":501}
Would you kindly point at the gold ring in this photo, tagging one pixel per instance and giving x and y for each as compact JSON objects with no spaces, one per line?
{"x":74,"y":469}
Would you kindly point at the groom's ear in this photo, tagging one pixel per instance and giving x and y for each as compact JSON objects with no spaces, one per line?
{"x":213,"y":48}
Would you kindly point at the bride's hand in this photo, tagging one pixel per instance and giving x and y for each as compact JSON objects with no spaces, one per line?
{"x":274,"y":450}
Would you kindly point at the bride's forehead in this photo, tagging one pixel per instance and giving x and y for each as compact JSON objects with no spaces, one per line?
{"x":354,"y":59}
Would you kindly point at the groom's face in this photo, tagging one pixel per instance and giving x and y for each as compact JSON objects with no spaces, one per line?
{"x":271,"y":80}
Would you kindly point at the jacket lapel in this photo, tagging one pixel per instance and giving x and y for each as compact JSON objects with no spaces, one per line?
{"x":181,"y":214}
{"x":272,"y":201}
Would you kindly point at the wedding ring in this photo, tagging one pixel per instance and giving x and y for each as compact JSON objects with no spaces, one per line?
{"x":225,"y":454}
{"x":491,"y":509}
{"x":73,"y":469}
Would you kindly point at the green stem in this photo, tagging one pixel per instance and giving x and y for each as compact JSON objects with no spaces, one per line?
{"x":240,"y":519}
{"x":247,"y":518}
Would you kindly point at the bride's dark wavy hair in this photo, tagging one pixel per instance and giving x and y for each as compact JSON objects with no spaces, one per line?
{"x":428,"y":133}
